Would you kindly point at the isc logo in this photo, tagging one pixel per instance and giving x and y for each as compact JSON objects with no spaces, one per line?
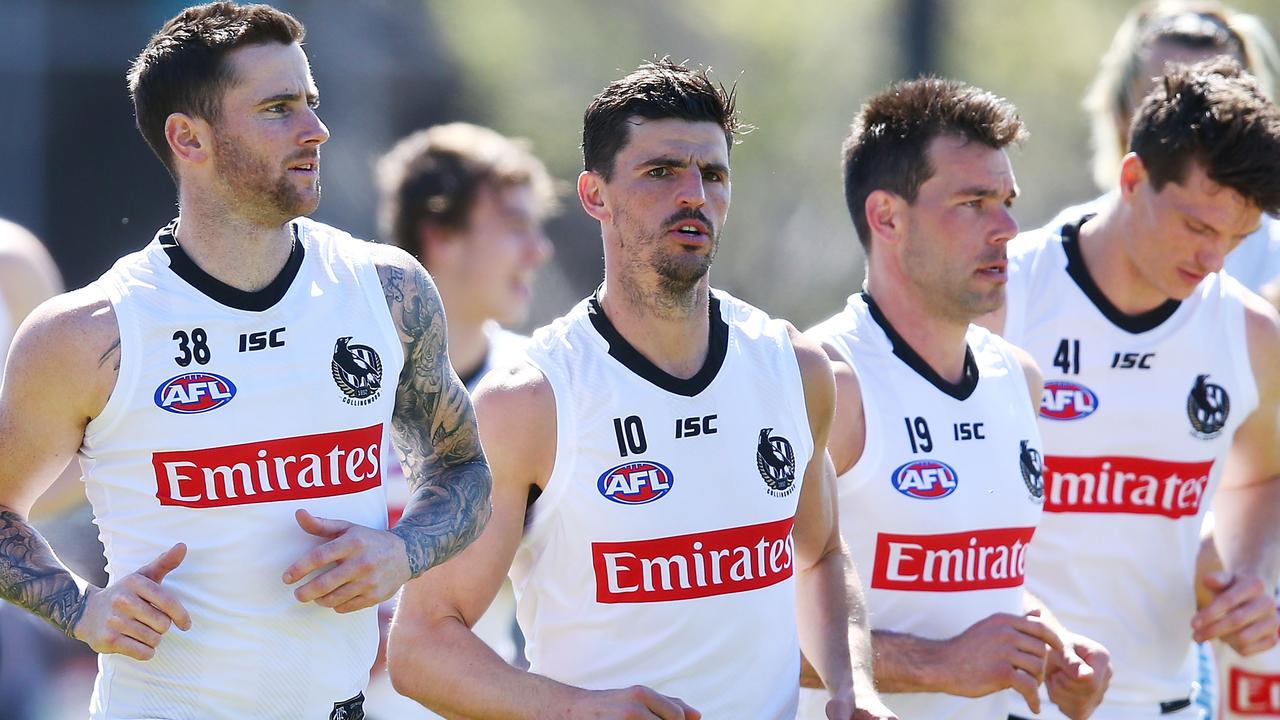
{"x":1064,"y":400}
{"x":636,"y":483}
{"x":194,"y":393}
{"x":925,"y":479}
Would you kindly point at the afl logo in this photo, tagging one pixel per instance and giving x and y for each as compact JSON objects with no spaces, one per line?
{"x":776,"y":461}
{"x":925,"y":479}
{"x":1065,"y":400}
{"x":194,"y":393}
{"x":357,"y":370}
{"x":1207,"y":407}
{"x":636,"y":483}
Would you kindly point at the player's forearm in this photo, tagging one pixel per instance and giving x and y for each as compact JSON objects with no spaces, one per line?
{"x":1247,"y":528}
{"x":32,"y":578}
{"x":444,"y":666}
{"x":823,"y":607}
{"x":907,"y":663}
{"x":446,"y":513}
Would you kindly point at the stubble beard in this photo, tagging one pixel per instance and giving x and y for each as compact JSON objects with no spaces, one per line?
{"x":679,"y":276}
{"x":257,"y":192}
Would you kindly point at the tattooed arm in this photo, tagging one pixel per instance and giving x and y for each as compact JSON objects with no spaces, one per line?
{"x":434,"y":425}
{"x":435,"y":429}
{"x":61,"y":370}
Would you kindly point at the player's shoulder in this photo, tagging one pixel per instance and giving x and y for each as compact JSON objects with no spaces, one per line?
{"x":70,"y":339}
{"x":516,"y":400}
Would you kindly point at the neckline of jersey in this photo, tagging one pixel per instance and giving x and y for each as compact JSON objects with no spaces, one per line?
{"x":1076,"y":269}
{"x":249,"y":300}
{"x":959,"y":390}
{"x":626,"y":353}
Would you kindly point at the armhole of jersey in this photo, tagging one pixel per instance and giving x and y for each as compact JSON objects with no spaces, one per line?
{"x":367,"y":275}
{"x":130,"y":362}
{"x":1240,"y":350}
{"x":544,"y":508}
{"x":872,"y":444}
{"x":802,"y":405}
{"x":1021,"y":389}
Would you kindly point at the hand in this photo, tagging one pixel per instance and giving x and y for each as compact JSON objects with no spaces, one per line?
{"x":1241,"y":614}
{"x":369,"y":565}
{"x":634,"y":703}
{"x":1078,"y":676}
{"x":1002,"y":651}
{"x":869,"y":707}
{"x":131,"y":615}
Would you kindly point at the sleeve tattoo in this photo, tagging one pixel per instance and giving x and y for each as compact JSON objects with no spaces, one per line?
{"x":31,"y":578}
{"x":435,"y":430}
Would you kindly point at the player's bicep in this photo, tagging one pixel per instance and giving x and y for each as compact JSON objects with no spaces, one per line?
{"x":517,"y":425}
{"x":433,"y":422}
{"x":1255,"y":449}
{"x":817,"y":531}
{"x":53,"y":382}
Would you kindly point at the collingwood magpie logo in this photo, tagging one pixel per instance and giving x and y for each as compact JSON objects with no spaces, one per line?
{"x":357,"y":370}
{"x":776,"y":462}
{"x":1207,"y":408}
{"x":1032,"y":464}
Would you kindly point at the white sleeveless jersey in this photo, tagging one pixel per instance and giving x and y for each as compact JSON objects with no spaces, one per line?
{"x":660,"y":551}
{"x":224,"y":421}
{"x":1137,"y":416}
{"x":939,"y":511}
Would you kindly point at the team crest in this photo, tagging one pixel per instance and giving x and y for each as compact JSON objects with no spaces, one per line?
{"x":1207,"y":408}
{"x":776,"y":462}
{"x":1032,"y":464}
{"x":352,"y":709}
{"x":357,"y":370}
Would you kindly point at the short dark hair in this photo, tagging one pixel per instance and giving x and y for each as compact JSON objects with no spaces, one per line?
{"x":1216,"y":115}
{"x":183,"y":67}
{"x":656,"y":90}
{"x":433,"y":176}
{"x":889,"y":139}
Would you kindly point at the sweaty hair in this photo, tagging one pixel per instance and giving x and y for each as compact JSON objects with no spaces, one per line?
{"x":1213,"y":114}
{"x":1192,"y":25}
{"x":656,"y":90}
{"x":183,"y":68}
{"x":887,"y":147}
{"x":433,"y":177}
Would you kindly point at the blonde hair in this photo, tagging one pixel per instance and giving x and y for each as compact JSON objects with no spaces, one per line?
{"x":1109,"y":100}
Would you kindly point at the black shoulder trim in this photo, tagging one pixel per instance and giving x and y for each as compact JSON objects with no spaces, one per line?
{"x":1140,"y":323}
{"x":907,"y":354}
{"x":626,"y":353}
{"x":256,"y":301}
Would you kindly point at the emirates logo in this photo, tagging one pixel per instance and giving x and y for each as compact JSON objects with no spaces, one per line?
{"x":357,"y":370}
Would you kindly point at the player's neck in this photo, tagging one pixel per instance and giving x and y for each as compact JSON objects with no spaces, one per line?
{"x":468,"y":345}
{"x":938,"y":340}
{"x":675,"y":336}
{"x":1106,"y":260}
{"x":239,"y":252}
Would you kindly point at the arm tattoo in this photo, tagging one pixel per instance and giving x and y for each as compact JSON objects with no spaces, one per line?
{"x":112,"y":355}
{"x":31,"y":578}
{"x":435,"y":429}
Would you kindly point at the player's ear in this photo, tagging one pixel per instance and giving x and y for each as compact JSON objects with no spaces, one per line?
{"x":1133,"y":173}
{"x":885,"y":216}
{"x":591,"y":193}
{"x":190,"y":138}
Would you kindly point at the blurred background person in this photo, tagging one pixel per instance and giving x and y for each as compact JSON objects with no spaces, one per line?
{"x":1153,"y":36}
{"x":470,"y":204}
{"x":31,"y":652}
